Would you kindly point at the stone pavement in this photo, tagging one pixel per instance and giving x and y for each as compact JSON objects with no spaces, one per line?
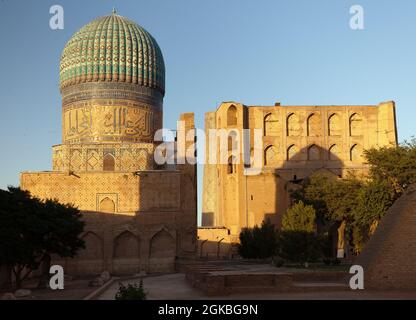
{"x":74,"y":290}
{"x":175,"y":287}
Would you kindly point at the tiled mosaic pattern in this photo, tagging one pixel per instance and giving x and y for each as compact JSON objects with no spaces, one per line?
{"x":112,"y":48}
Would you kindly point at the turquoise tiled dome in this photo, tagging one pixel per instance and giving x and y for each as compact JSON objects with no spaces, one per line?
{"x":112,"y":49}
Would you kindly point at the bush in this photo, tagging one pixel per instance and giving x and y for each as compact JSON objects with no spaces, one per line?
{"x":299,"y":217}
{"x":258,"y":242}
{"x":299,"y":246}
{"x":325,"y":242}
{"x":131,"y":292}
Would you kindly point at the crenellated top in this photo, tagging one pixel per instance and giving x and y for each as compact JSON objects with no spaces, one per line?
{"x":112,"y":49}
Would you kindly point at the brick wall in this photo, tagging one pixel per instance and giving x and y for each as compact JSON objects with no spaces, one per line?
{"x":389,"y":258}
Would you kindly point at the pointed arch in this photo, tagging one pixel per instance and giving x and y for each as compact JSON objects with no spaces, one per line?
{"x":292,"y":152}
{"x":334,"y":125}
{"x":232,"y":116}
{"x":233,"y":141}
{"x":107,"y":205}
{"x":162,"y":252}
{"x":126,"y":245}
{"x":93,"y":247}
{"x":334,"y":152}
{"x":313,"y":125}
{"x":356,"y":153}
{"x":231,"y":167}
{"x":270,"y":124}
{"x":355,"y":125}
{"x":292,"y":125}
{"x":109,"y":162}
{"x":270,"y":156}
{"x":314,"y":153}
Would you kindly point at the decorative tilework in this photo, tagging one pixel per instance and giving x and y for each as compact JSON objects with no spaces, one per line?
{"x":116,"y":49}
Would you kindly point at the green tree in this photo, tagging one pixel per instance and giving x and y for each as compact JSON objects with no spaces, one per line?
{"x":258,"y":242}
{"x":333,"y":198}
{"x":32,"y":230}
{"x":300,"y":217}
{"x":357,"y":205}
{"x":299,"y":246}
{"x":375,"y":197}
{"x":395,"y":165}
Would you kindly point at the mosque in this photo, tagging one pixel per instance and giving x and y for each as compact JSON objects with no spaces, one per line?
{"x":139,"y":216}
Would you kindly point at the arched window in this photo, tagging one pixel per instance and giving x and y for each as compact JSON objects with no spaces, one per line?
{"x":231,"y":165}
{"x":355,"y":125}
{"x":356,"y":153}
{"x":109,"y":162}
{"x":107,"y":205}
{"x":334,"y":152}
{"x":313,"y":125}
{"x":232,"y":116}
{"x":314,"y":153}
{"x":270,"y":156}
{"x":334,"y":125}
{"x":232,"y":141}
{"x":270,"y":125}
{"x":293,"y":125}
{"x":292,"y":153}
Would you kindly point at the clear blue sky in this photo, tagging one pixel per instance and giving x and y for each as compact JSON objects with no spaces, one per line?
{"x":252,"y":51}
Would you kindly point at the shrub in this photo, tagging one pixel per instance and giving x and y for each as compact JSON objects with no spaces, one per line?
{"x":258,"y":242}
{"x":325,"y":242}
{"x":131,"y":292}
{"x":299,"y":217}
{"x":299,"y":246}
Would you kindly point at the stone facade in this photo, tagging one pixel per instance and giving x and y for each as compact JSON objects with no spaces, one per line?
{"x":137,"y":219}
{"x":139,"y":216}
{"x":295,"y":142}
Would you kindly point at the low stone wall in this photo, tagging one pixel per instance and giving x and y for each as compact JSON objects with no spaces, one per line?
{"x":215,"y":242}
{"x":224,"y":283}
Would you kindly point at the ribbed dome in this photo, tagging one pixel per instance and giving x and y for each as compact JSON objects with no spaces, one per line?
{"x":112,"y":49}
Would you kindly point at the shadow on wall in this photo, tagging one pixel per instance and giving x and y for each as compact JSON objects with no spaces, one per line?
{"x":268,"y":194}
{"x":337,"y":161}
{"x":122,"y":244}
